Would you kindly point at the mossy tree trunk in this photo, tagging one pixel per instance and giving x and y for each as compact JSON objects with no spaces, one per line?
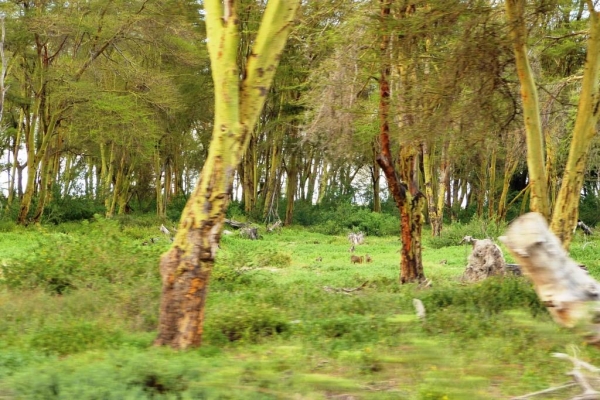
{"x":566,"y":210}
{"x":515,"y":10}
{"x":185,"y":268}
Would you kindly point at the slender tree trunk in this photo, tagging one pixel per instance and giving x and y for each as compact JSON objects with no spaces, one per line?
{"x":271,"y":192}
{"x":442,"y":189}
{"x":185,"y":269}
{"x":566,"y":211}
{"x":15,"y":150}
{"x":492,"y":184}
{"x":429,"y":192}
{"x":376,"y":177}
{"x":292,"y":183}
{"x":250,"y":175}
{"x":312,"y":180}
{"x":515,"y":10}
{"x":323,"y":181}
{"x":160,"y":205}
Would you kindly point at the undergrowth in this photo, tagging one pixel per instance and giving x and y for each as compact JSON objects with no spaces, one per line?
{"x":288,"y":316}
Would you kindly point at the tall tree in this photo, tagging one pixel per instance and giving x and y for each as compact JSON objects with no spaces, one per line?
{"x":186,"y":267}
{"x":402,"y":185}
{"x":515,"y":11}
{"x":566,"y":209}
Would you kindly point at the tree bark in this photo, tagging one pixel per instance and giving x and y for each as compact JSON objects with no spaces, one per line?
{"x":569,"y":293}
{"x":185,"y":269}
{"x":406,"y":196}
{"x":566,"y":210}
{"x":292,"y":183}
{"x":515,"y":10}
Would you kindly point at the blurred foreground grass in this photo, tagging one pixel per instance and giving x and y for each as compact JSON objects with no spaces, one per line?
{"x":79,"y":305}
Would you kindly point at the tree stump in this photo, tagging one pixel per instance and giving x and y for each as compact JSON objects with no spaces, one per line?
{"x":485,"y":260}
{"x":568,"y":292}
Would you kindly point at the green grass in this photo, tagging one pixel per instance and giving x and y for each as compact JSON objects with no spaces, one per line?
{"x":272,"y":330}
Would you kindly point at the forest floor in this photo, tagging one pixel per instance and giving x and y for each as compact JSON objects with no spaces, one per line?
{"x":79,"y":307}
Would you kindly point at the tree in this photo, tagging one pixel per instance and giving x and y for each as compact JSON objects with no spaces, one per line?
{"x":565,"y":215}
{"x":186,"y":267}
{"x":402,"y":185}
{"x":515,"y":10}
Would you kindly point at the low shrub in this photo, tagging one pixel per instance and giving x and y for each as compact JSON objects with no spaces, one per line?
{"x":452,"y":234}
{"x":60,"y":263}
{"x":245,"y":322}
{"x":74,"y":337}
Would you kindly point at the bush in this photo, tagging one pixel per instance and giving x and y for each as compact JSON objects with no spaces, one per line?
{"x":60,"y":263}
{"x":490,"y":296}
{"x":71,"y":209}
{"x":72,"y":338}
{"x":250,"y":323}
{"x":452,"y":234}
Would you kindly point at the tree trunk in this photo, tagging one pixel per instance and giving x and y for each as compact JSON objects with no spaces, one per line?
{"x":566,"y":211}
{"x":515,"y":10}
{"x":376,"y":178}
{"x":429,"y":193}
{"x":436,"y":223}
{"x":158,"y":189}
{"x":407,"y":197}
{"x":323,"y":181}
{"x":185,"y":269}
{"x":569,"y":293}
{"x":292,"y":183}
{"x":250,"y":176}
{"x":492,"y":185}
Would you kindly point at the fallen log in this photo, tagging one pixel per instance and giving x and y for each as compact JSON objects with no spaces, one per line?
{"x":569,"y":293}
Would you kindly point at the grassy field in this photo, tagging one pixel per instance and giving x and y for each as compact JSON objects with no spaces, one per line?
{"x":79,"y":305}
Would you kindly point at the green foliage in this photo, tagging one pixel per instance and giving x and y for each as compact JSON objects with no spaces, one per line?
{"x":73,"y":337}
{"x":65,"y":209}
{"x":246,"y":322}
{"x":344,"y":217}
{"x":452,"y":234}
{"x":490,"y":296}
{"x":61,"y":262}
{"x":588,"y":210}
{"x":271,"y":330}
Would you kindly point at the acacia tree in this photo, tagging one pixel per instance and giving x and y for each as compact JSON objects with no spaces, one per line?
{"x":531,"y":113}
{"x":403,"y":185}
{"x":185,"y":269}
{"x":565,"y":215}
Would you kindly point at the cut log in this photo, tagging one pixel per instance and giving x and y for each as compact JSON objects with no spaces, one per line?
{"x":568,"y":292}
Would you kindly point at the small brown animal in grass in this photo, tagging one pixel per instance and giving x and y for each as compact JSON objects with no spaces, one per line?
{"x":319,"y":259}
{"x":368,"y":258}
{"x":357,"y":259}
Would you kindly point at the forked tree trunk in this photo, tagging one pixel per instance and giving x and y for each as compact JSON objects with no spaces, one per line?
{"x":566,"y":210}
{"x":569,"y":293}
{"x":185,"y":269}
{"x":515,"y":10}
{"x":407,"y":197}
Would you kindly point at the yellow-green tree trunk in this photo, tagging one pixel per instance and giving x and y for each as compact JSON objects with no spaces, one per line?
{"x":515,"y":10}
{"x":566,"y":210}
{"x":185,"y":268}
